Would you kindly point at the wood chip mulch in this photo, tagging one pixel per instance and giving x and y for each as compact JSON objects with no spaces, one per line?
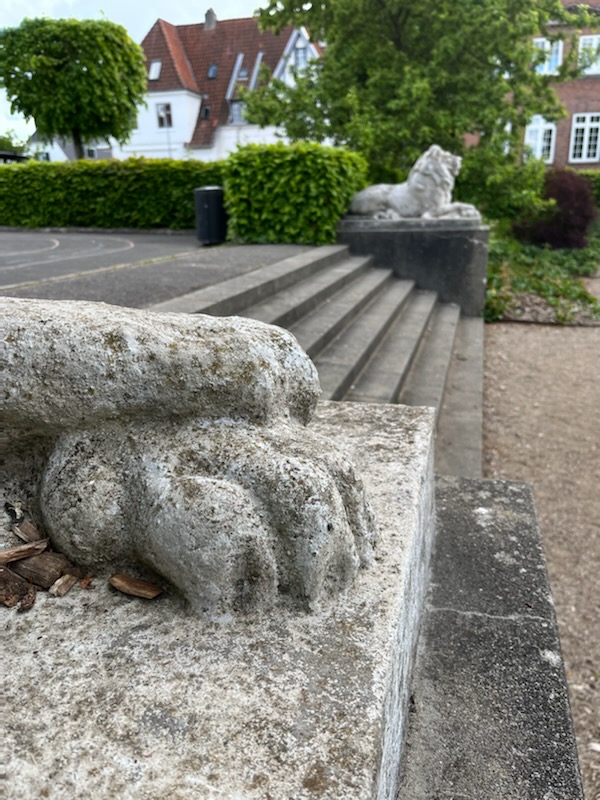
{"x":33,"y":566}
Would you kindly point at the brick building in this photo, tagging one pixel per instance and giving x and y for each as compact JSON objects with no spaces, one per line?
{"x":575,"y":140}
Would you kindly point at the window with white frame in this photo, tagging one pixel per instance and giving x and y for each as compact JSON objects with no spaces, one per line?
{"x":590,"y":46}
{"x":300,"y":54}
{"x":585,"y":138}
{"x":164,"y":116}
{"x":540,"y":136}
{"x":154,"y":70}
{"x":237,"y":113}
{"x":553,"y":56}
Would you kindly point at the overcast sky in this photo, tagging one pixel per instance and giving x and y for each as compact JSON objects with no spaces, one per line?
{"x":137,"y":16}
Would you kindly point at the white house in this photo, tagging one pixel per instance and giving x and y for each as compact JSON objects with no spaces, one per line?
{"x":194,"y":75}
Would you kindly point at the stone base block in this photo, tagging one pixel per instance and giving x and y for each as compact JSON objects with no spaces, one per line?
{"x":111,"y":696}
{"x":490,"y":711}
{"x":448,"y":256}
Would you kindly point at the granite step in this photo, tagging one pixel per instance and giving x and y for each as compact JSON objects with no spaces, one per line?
{"x":340,"y":363}
{"x":289,"y":305}
{"x":426,"y":381}
{"x":459,"y":443}
{"x":317,"y":329}
{"x":233,"y":295}
{"x":383,"y":377}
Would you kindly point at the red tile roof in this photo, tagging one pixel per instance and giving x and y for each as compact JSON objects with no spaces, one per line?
{"x":188,"y":51}
{"x":162,"y":44}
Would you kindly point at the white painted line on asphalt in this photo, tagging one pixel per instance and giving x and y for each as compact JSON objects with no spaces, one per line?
{"x":79,"y":255}
{"x":73,"y":275}
{"x":55,"y":244}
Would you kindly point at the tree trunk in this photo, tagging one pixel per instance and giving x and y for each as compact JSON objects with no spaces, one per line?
{"x":78,"y":144}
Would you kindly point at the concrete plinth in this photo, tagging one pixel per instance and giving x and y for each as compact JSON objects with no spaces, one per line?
{"x":490,"y":715}
{"x":448,"y":256}
{"x":111,"y":696}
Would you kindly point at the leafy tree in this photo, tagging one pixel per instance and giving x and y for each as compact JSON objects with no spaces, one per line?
{"x":398,"y":75}
{"x":10,"y":143}
{"x":82,"y":79}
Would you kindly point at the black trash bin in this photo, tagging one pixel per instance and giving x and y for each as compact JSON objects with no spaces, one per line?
{"x":211,"y":217}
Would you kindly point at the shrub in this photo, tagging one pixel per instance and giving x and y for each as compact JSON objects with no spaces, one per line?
{"x":553,"y":275}
{"x":502,"y":188}
{"x":290,"y":193}
{"x":593,"y":178}
{"x":274,"y":193}
{"x":137,"y":193}
{"x":567,"y":225}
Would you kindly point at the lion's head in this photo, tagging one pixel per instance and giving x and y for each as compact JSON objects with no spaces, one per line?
{"x":432,"y":177}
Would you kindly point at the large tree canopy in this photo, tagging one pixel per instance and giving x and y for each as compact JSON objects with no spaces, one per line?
{"x":82,"y":79}
{"x":398,"y":75}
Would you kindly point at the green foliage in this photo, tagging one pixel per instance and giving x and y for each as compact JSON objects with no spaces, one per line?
{"x":275,"y":193}
{"x":551,"y":274}
{"x":136,"y":193}
{"x":400,"y":75}
{"x":82,"y":79}
{"x":593,"y":178}
{"x":9,"y":142}
{"x":290,"y":193}
{"x":568,"y":224}
{"x":501,"y":187}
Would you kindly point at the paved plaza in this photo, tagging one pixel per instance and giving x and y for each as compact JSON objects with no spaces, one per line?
{"x":126,"y":269}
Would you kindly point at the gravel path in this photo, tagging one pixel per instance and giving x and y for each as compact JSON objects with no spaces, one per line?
{"x":542,"y":426}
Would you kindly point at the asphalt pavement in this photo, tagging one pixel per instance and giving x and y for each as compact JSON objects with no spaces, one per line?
{"x":123,"y":268}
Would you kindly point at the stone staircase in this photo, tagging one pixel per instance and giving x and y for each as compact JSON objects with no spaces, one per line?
{"x":378,"y":338}
{"x":373,"y":337}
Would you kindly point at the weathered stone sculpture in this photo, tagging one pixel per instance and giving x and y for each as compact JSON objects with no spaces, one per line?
{"x":426,"y":193}
{"x":178,"y":442}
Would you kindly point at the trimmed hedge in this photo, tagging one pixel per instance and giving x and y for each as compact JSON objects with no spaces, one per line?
{"x":137,"y":193}
{"x":290,"y":193}
{"x":274,"y":193}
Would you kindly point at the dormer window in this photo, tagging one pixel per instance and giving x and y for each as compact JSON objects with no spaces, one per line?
{"x":243,"y":74}
{"x":154,"y":70}
{"x":300,"y":55}
{"x":212,"y":72}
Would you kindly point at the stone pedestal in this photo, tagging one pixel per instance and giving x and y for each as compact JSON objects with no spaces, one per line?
{"x":119,"y":697}
{"x":448,"y":256}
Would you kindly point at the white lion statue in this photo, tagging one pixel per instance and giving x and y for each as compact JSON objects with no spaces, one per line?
{"x":427,"y":192}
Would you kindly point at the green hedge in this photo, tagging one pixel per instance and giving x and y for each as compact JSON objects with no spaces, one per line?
{"x":290,"y":193}
{"x":593,"y":176}
{"x":137,"y":193}
{"x":275,"y":193}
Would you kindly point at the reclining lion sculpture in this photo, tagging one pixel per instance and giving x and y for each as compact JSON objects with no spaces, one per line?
{"x":179,"y":443}
{"x":426,"y":193}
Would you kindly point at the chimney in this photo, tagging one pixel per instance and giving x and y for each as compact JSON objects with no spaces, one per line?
{"x":210,"y":20}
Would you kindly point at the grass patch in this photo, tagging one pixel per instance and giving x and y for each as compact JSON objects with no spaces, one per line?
{"x":553,"y":275}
